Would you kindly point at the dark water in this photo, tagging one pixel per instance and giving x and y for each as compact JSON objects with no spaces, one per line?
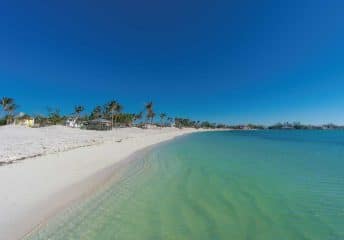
{"x":220,"y":185}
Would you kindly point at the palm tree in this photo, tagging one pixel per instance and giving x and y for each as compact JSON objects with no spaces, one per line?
{"x":114,"y":109}
{"x":78,"y":109}
{"x":162,"y":116}
{"x":137,"y":117}
{"x":150,"y":113}
{"x":118,"y":110}
{"x":54,"y":116}
{"x":9,"y":107}
{"x":5,"y":102}
{"x":149,"y":106}
{"x":96,"y":112}
{"x":170,"y":120}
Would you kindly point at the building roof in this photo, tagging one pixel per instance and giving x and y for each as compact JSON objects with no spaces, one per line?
{"x":100,"y":120}
{"x":22,"y":116}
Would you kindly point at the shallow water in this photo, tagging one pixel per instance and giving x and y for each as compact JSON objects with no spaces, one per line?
{"x":220,"y":185}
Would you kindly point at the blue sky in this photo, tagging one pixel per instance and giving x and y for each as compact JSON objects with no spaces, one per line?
{"x":225,"y":61}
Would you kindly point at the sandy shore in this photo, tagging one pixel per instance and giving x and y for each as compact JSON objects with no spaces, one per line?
{"x":34,"y":189}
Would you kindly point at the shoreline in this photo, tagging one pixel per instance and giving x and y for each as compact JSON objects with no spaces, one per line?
{"x":88,"y":187}
{"x":37,"y":189}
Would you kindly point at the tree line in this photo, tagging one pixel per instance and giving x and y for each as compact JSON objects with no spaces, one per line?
{"x":111,"y":111}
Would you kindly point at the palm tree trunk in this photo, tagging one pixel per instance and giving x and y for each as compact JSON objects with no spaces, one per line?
{"x":9,"y":118}
{"x":116,"y":121}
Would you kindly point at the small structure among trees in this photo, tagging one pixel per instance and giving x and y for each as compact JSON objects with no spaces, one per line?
{"x":99,"y":124}
{"x":24,"y":120}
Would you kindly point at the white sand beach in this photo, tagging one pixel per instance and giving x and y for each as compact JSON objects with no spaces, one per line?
{"x":45,"y":169}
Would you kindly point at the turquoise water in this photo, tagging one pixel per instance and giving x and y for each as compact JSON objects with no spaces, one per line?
{"x":220,"y":185}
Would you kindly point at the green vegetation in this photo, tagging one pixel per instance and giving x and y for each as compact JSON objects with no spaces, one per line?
{"x":78,"y":110}
{"x":150,"y":114}
{"x":3,"y":121}
{"x":113,"y":112}
{"x":96,"y":113}
{"x":162,"y":118}
{"x":9,"y":107}
{"x":113,"y":109}
{"x":54,"y":116}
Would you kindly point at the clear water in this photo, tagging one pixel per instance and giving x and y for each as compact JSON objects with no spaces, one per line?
{"x":220,"y":185}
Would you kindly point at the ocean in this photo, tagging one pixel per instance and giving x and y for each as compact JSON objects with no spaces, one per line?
{"x":219,"y":185}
